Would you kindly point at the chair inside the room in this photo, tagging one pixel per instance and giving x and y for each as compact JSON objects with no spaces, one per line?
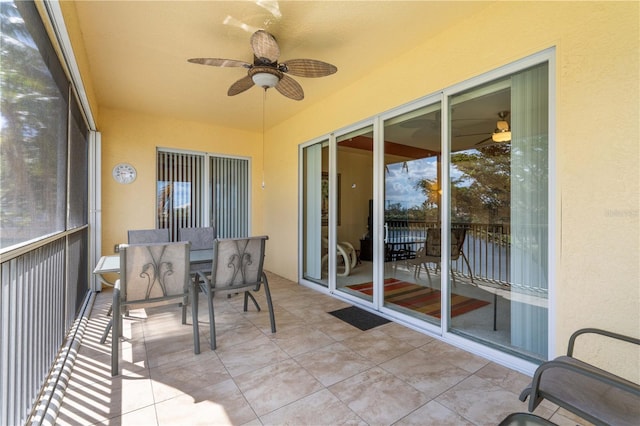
{"x":148,"y":236}
{"x":347,"y":256}
{"x":431,"y":252}
{"x":152,"y":275}
{"x":237,"y":265}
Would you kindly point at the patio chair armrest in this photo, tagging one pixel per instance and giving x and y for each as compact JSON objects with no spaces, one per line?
{"x":601,"y":332}
{"x":577,"y":386}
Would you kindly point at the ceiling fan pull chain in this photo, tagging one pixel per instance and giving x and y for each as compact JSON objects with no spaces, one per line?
{"x":264,"y":101}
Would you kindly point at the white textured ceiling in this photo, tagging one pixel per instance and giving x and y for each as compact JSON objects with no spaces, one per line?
{"x":138,"y":50}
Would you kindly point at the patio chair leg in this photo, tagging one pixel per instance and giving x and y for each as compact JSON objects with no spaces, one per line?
{"x":495,"y":311}
{"x":184,"y":304}
{"x":248,"y":295}
{"x":267,"y":292}
{"x":468,"y":265}
{"x":194,"y":318}
{"x":106,"y":332}
{"x":115,"y":334}
{"x":426,"y":268}
{"x":212,"y":323}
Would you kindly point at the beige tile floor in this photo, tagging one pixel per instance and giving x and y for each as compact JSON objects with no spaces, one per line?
{"x":315,"y":370}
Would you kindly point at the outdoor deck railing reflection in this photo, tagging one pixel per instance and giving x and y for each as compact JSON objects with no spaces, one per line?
{"x":487,"y":246}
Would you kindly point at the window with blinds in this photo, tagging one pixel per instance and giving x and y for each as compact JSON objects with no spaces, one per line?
{"x":230,"y":196}
{"x":196,"y":189}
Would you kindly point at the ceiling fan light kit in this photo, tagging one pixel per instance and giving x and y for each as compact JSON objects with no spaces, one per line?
{"x":502,"y":126}
{"x":501,"y":136}
{"x":265,"y":77}
{"x":502,"y":132}
{"x":266,"y":72}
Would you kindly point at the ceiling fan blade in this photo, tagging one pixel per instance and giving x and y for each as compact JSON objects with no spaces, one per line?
{"x":240,"y":86}
{"x":290,"y":88}
{"x":265,"y":47}
{"x":416,"y":123}
{"x":308,"y":68}
{"x":471,"y":134}
{"x":217,"y":62}
{"x":483,"y":141}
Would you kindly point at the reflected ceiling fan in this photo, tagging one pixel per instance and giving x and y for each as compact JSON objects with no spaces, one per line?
{"x":267,"y":72}
{"x":502,"y":132}
{"x":424,"y":126}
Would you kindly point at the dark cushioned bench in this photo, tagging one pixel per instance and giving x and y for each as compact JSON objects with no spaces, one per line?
{"x":590,"y":392}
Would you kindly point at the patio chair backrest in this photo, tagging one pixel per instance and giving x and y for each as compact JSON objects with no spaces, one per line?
{"x":151,"y":275}
{"x":237,"y":262}
{"x":148,"y":236}
{"x":433,"y":242}
{"x":201,"y":238}
{"x":154,"y":273}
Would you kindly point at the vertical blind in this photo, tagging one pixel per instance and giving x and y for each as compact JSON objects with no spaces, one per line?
{"x":180,"y":194}
{"x":530,"y":207}
{"x":230,"y":196}
{"x":183,"y":200}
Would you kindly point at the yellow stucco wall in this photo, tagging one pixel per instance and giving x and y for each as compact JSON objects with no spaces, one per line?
{"x":597,"y":275}
{"x":596,"y":281}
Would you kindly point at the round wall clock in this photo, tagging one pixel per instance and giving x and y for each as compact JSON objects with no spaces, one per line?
{"x":124,"y":173}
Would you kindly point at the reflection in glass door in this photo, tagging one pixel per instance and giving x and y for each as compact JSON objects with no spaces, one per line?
{"x":461,"y":231}
{"x":499,"y":212}
{"x":315,"y":208}
{"x":354,"y":213}
{"x":412,"y":199}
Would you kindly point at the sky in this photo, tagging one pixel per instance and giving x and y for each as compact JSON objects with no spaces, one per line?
{"x":400,"y":181}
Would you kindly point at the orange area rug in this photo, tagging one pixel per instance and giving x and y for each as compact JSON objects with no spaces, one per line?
{"x":420,"y":299}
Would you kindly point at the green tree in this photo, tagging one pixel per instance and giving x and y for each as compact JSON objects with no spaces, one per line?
{"x":482,"y":192}
{"x":32,"y":136}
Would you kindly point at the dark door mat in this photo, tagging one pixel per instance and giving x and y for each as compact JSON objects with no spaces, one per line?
{"x":359,"y":318}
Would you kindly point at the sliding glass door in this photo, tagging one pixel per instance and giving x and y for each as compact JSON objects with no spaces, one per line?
{"x":412,"y":206}
{"x":354,"y":213}
{"x":438,"y":212}
{"x":184,"y":199}
{"x":315,"y":212}
{"x":498,"y":172}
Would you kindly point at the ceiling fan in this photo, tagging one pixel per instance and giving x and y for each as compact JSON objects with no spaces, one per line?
{"x":266,"y":72}
{"x":502,"y":132}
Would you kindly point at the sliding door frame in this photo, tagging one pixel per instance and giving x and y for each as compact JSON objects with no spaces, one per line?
{"x":442,"y":332}
{"x":206,"y":213}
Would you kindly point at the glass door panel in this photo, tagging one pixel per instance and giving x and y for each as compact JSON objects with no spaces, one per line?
{"x":315,"y":211}
{"x":354,"y":213}
{"x":412,"y":199}
{"x":498,"y":185}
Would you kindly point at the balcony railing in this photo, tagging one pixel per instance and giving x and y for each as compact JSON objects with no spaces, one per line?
{"x":42,"y":288}
{"x":487,"y":246}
